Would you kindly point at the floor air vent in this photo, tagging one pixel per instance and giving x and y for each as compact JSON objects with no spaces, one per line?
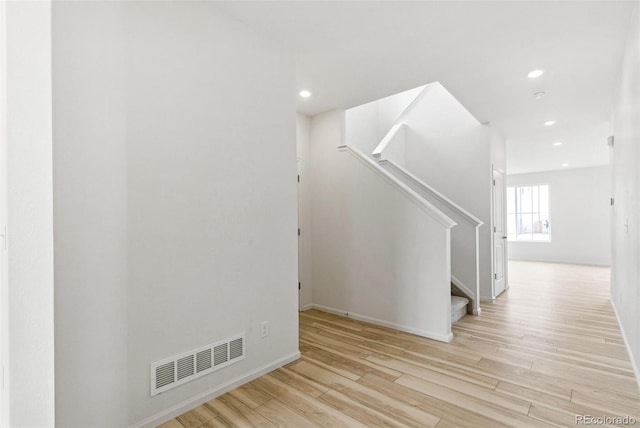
{"x":174,"y":371}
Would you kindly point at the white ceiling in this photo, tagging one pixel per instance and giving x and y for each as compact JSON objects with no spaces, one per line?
{"x":349,"y":53}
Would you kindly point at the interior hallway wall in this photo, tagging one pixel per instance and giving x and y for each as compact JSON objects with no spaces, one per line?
{"x":625,"y":218}
{"x":27,"y":290}
{"x":450,"y":150}
{"x":579,"y":216}
{"x":444,"y":146}
{"x":174,"y":203}
{"x":377,"y":255}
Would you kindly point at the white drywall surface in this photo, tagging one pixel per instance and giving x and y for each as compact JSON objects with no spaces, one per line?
{"x":369,"y":123}
{"x":625,"y":217}
{"x":175,"y":202}
{"x":579,"y":217}
{"x":444,"y":146}
{"x":27,"y":318}
{"x":376,"y":254}
{"x":448,"y":149}
{"x":90,"y":196}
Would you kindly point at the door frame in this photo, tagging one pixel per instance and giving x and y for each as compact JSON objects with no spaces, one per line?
{"x":4,"y":332}
{"x":503,"y":214}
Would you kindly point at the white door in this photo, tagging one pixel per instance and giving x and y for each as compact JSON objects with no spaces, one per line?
{"x":299,"y":246}
{"x":499,"y":234}
{"x":4,"y":400}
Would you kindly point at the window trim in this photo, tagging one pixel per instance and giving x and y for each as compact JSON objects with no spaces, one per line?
{"x":530,"y":241}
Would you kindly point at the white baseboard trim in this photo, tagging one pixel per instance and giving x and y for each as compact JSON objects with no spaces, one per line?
{"x":487,"y":299}
{"x":180,"y":408}
{"x":562,"y":262}
{"x":401,"y":327}
{"x":636,"y":370}
{"x":306,"y":307}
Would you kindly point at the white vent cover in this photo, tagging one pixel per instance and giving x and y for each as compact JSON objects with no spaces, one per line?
{"x":174,"y":371}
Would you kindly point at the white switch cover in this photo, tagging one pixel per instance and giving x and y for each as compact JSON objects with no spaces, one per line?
{"x":264,"y":329}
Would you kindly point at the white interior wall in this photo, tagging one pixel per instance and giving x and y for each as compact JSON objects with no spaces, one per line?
{"x":362,"y":131}
{"x":498,"y":150}
{"x":367,"y":124}
{"x":175,"y":203}
{"x":305,"y":259}
{"x":27,"y":289}
{"x":579,"y":217}
{"x":390,"y":109}
{"x":376,"y":255}
{"x":212,"y":201}
{"x":447,"y":148}
{"x":625,"y":271}
{"x":89,"y":136}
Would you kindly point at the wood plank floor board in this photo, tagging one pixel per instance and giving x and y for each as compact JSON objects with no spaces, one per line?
{"x":455,"y":413}
{"x":336,"y":342}
{"x":613,"y":404}
{"x":301,"y":383}
{"x":446,"y":424}
{"x":586,"y":361}
{"x":547,"y":350}
{"x":250,"y":395}
{"x":215,"y":423}
{"x":392,"y":407}
{"x":435,"y":367}
{"x":551,"y":416}
{"x":482,"y":407}
{"x":359,"y":367}
{"x":517,"y":375}
{"x":283,"y":415}
{"x":431,"y":359}
{"x":345,"y":371}
{"x":362,"y":413}
{"x":233,"y":412}
{"x":557,"y":405}
{"x":310,"y":407}
{"x":587,"y":376}
{"x":479,"y":392}
{"x":196,"y":417}
{"x":173,"y":423}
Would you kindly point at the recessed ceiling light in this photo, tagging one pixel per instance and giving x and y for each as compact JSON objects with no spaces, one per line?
{"x":535,"y":74}
{"x":550,"y":122}
{"x":557,"y":143}
{"x":305,"y":94}
{"x":565,"y":164}
{"x":539,"y":95}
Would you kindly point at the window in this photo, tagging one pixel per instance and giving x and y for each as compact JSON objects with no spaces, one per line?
{"x":528,"y":213}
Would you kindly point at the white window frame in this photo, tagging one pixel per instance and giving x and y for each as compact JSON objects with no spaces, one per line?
{"x":518,"y":186}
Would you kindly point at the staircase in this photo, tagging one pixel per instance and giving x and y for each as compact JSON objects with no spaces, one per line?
{"x":464,"y":236}
{"x":394,"y":160}
{"x":458,"y":308}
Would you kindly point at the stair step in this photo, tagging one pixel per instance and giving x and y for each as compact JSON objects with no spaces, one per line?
{"x":458,"y":308}
{"x":458,"y":302}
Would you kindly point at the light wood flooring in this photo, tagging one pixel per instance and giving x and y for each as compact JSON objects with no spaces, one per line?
{"x":547,"y":350}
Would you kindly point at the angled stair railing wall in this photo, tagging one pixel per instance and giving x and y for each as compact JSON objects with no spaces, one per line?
{"x":392,"y":145}
{"x":465,"y":261}
{"x":428,"y":297}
